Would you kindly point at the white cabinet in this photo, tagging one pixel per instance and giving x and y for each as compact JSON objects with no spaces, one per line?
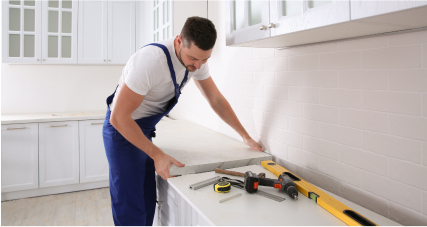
{"x":58,"y":153}
{"x":363,"y":9}
{"x":93,"y":160}
{"x":21,"y":31}
{"x":19,"y":157}
{"x":59,"y":32}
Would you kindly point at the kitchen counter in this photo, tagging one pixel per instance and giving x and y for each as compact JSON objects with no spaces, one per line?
{"x":252,"y":209}
{"x":50,"y":117}
{"x":202,"y":149}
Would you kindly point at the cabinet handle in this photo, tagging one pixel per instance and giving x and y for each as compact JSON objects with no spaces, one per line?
{"x":58,"y":125}
{"x":105,"y":60}
{"x":263,"y":27}
{"x":97,"y":123}
{"x":109,"y":60}
{"x":38,"y":59}
{"x":159,"y":202}
{"x":271,"y":25}
{"x":44,"y":60}
{"x":16,"y":128}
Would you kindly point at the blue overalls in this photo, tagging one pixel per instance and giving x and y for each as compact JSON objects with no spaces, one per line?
{"x":132,"y":172}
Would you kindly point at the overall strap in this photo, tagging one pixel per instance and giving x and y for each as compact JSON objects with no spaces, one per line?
{"x":171,"y":69}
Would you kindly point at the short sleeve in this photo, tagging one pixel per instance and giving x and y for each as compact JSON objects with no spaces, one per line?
{"x":202,"y":73}
{"x":143,"y":72}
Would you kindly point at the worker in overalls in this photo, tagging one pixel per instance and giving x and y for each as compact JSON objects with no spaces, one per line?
{"x":148,"y":89}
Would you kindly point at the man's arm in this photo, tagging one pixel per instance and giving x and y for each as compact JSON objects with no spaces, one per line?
{"x":223,"y":109}
{"x":126,"y":102}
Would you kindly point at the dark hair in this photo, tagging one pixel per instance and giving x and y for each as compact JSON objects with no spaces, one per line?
{"x":200,"y":31}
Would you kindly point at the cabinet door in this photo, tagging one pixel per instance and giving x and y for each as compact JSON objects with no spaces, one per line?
{"x":21,"y":31}
{"x":92,"y":35}
{"x":93,"y":160}
{"x":19,"y":157}
{"x":121,"y":31}
{"x":162,"y":17}
{"x":246,"y":21}
{"x":59,"y":32}
{"x":362,"y":9}
{"x":292,"y":16}
{"x":58,"y":153}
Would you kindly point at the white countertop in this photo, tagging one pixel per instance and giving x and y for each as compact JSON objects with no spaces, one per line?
{"x":202,"y":149}
{"x":252,"y":209}
{"x":49,"y":117}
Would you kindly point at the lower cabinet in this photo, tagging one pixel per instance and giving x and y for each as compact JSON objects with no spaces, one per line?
{"x":173,"y":210}
{"x":93,"y":160}
{"x":58,"y":153}
{"x":19,"y":157}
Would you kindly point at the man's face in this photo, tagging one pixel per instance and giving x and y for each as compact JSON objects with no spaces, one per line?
{"x":193,"y":57}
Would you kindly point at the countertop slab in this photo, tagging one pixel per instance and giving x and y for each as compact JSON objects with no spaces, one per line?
{"x":252,"y":209}
{"x":202,"y":149}
{"x":50,"y":117}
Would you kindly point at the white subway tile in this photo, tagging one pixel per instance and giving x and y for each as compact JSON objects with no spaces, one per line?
{"x":320,"y":48}
{"x":322,"y":147}
{"x":235,"y":89}
{"x":276,"y":120}
{"x":235,"y":66}
{"x":408,"y":173}
{"x":364,"y":160}
{"x":408,"y":38}
{"x":267,"y":105}
{"x":289,"y":138}
{"x":408,"y":126}
{"x":303,"y":158}
{"x":303,"y":94}
{"x":275,"y":148}
{"x":341,"y":97}
{"x":303,"y":63}
{"x":253,"y":66}
{"x":397,"y":192}
{"x":275,"y":64}
{"x":264,"y":78}
{"x":264,"y":131}
{"x":244,"y":78}
{"x":341,"y":171}
{"x":322,"y":113}
{"x":405,"y":216}
{"x":368,"y":200}
{"x":326,"y":79}
{"x":392,"y":57}
{"x":289,"y":108}
{"x":253,"y":90}
{"x":254,"y":115}
{"x":289,"y":52}
{"x":303,"y":126}
{"x":339,"y":134}
{"x":425,"y":56}
{"x":363,"y":119}
{"x":364,"y":79}
{"x":392,"y":146}
{"x":229,"y":77}
{"x":243,"y":53}
{"x":276,"y":92}
{"x":424,"y":155}
{"x":424,"y":202}
{"x":408,"y":80}
{"x":392,"y":101}
{"x":425,"y":104}
{"x":248,"y":125}
{"x":263,"y":53}
{"x":290,"y":166}
{"x":340,"y":60}
{"x":288,"y":78}
{"x":321,"y":180}
{"x":366,"y":43}
{"x":244,"y":101}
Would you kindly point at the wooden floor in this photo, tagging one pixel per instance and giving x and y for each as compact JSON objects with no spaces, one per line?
{"x":90,"y":207}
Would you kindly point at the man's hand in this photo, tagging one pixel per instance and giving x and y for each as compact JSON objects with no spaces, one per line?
{"x":254,"y":145}
{"x":163,"y":162}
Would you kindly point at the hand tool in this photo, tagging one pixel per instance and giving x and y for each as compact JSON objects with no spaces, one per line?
{"x":284,"y":183}
{"x":335,"y":207}
{"x":222,"y":186}
{"x":240,"y":185}
{"x":204,"y":183}
{"x":233,"y":173}
{"x":231,"y":197}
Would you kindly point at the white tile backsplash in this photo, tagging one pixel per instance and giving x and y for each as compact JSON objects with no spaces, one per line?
{"x":331,"y":112}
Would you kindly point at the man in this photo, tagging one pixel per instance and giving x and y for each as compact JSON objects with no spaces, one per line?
{"x":148,"y":89}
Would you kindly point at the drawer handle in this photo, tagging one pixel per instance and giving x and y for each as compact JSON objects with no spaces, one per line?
{"x":97,"y":123}
{"x":16,"y":128}
{"x":58,"y":125}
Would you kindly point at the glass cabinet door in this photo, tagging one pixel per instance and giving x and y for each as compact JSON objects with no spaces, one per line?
{"x":22,"y":31}
{"x":59,"y":36}
{"x":162,"y":25}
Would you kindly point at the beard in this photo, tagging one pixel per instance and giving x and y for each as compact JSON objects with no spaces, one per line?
{"x":190,"y":68}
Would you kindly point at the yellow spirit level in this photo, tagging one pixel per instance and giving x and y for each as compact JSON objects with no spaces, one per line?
{"x":335,"y":207}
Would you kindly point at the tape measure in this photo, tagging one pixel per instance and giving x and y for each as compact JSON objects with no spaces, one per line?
{"x":222,"y":187}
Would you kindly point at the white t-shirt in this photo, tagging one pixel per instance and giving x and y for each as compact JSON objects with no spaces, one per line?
{"x":147,"y":73}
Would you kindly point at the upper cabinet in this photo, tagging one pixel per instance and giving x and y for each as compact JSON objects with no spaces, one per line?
{"x":299,"y":22}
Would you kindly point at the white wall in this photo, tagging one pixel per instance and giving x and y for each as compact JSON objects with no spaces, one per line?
{"x":350,"y":117}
